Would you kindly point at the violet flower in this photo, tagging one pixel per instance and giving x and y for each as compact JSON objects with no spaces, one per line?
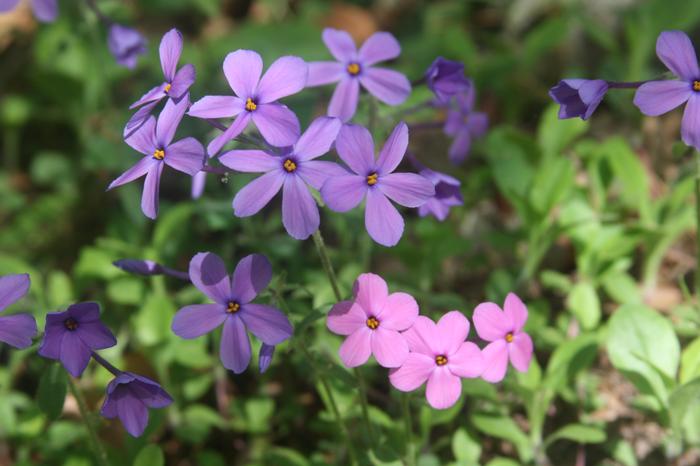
{"x":265,"y":357}
{"x":72,"y":335}
{"x":447,"y":194}
{"x":441,"y":356}
{"x":372,"y":322}
{"x":154,"y":140}
{"x":375,"y":180}
{"x":578,"y":97}
{"x":129,"y":396}
{"x":232,"y":308}
{"x":654,"y":98}
{"x":464,"y":125}
{"x":354,"y":68}
{"x":18,"y":329}
{"x":176,"y":83}
{"x":504,"y":330}
{"x":45,"y":11}
{"x":256,"y":99}
{"x":126,"y":44}
{"x":293,"y":171}
{"x":446,"y":79}
{"x":199,"y":181}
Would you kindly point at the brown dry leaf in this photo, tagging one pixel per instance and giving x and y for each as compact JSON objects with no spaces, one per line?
{"x":663,"y":297}
{"x":357,"y":21}
{"x":20,"y":19}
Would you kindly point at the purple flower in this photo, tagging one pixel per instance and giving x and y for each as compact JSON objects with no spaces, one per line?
{"x":447,"y":194}
{"x":355,"y":68}
{"x":578,"y":97}
{"x":374,"y":180}
{"x":176,"y":84}
{"x":463,"y":124}
{"x":233,"y":307}
{"x":139,"y":267}
{"x":292,"y":171}
{"x":265,"y":357}
{"x":72,"y":335}
{"x":126,"y":44}
{"x":129,"y":396}
{"x":256,"y":98}
{"x":199,"y":181}
{"x":16,"y":330}
{"x":154,"y":141}
{"x":654,"y":98}
{"x":446,"y":79}
{"x":45,"y":11}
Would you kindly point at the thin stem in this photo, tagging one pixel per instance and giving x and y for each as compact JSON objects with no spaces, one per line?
{"x":625,"y":85}
{"x":408,"y":424}
{"x":372,"y":115}
{"x":100,"y":453}
{"x":427,"y":125}
{"x":106,"y":364}
{"x":216,"y":170}
{"x":697,"y":227}
{"x":176,"y":273}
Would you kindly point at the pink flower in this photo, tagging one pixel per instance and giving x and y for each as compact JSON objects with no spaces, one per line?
{"x":372,"y":322}
{"x":440,"y":355}
{"x":504,"y":329}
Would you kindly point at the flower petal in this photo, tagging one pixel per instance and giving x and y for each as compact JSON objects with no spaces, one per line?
{"x":183,"y":80}
{"x":299,"y":210}
{"x":318,"y":138}
{"x":356,"y":348}
{"x":277,"y":124}
{"x":516,"y":311}
{"x":75,"y":356}
{"x":286,"y":76}
{"x":343,"y":193}
{"x":143,"y":139}
{"x":137,"y":120}
{"x":389,"y":347}
{"x":343,"y":102}
{"x":7,"y":5}
{"x":236,"y":128}
{"x":256,"y":194}
{"x":393,"y":150}
{"x":452,"y":328}
{"x":153,"y":95}
{"x":413,"y":373}
{"x":407,"y":189}
{"x":208,"y":273}
{"x":217,"y":106}
{"x":95,"y":335}
{"x":380,"y":46}
{"x":399,"y":312}
{"x":356,"y":148}
{"x":345,"y":318}
{"x":371,"y":292}
{"x":658,"y":97}
{"x":423,"y":337}
{"x":443,"y":388}
{"x":169,"y":119}
{"x":12,"y":288}
{"x":267,"y":323}
{"x":235,"y":345}
{"x":491,"y":323}
{"x":199,"y":181}
{"x":520,"y":351}
{"x":340,"y":44}
{"x":242,"y":69}
{"x":170,"y":50}
{"x":133,"y":414}
{"x":675,"y":49}
{"x":197,"y":319}
{"x":324,"y":72}
{"x":383,"y":222}
{"x":495,"y":361}
{"x":139,"y":169}
{"x":389,"y":86}
{"x":252,"y":275}
{"x":265,"y":357}
{"x":18,"y":330}
{"x":317,"y":172}
{"x":467,"y":361}
{"x":186,"y":155}
{"x":250,"y":161}
{"x":690,"y":126}
{"x":459,"y":149}
{"x":45,"y":11}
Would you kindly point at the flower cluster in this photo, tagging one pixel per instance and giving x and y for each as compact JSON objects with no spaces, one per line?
{"x":16,"y":330}
{"x":418,"y":350}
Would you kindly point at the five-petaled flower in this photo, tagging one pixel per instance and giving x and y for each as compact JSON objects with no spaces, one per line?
{"x":45,"y":11}
{"x":446,"y":79}
{"x":355,"y":68}
{"x":126,"y":44}
{"x":578,"y":97}
{"x":233,"y":307}
{"x":375,"y":180}
{"x":154,"y":140}
{"x":16,"y":330}
{"x":372,"y":321}
{"x":256,"y":99}
{"x":464,"y":124}
{"x":441,"y":356}
{"x":72,"y":335}
{"x":654,"y":98}
{"x":447,"y":195}
{"x":504,"y":330}
{"x":291,"y":171}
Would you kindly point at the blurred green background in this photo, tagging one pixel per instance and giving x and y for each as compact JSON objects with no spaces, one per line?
{"x":592,"y":224}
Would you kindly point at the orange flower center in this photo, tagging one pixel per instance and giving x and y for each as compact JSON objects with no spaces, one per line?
{"x":372,"y":179}
{"x":159,"y":154}
{"x":509,"y":337}
{"x":353,"y":69}
{"x":696,"y":85}
{"x":372,"y":323}
{"x":289,"y":165}
{"x":232,"y":307}
{"x":250,"y":105}
{"x":441,"y":360}
{"x":167,"y":88}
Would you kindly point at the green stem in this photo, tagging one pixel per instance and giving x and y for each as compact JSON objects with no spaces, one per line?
{"x":408,"y":422}
{"x":98,"y":449}
{"x":697,"y":227}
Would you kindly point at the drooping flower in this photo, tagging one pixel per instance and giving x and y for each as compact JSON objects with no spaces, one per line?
{"x":446,"y":79}
{"x":45,"y":11}
{"x":148,"y":268}
{"x":578,"y":97}
{"x":504,"y":329}
{"x":72,"y":335}
{"x":291,"y":171}
{"x":176,"y":83}
{"x":129,"y":396}
{"x":154,"y":140}
{"x":199,"y":181}
{"x":265,"y":357}
{"x":354,"y":68}
{"x":16,"y":330}
{"x":464,"y":125}
{"x":654,"y":98}
{"x":375,"y":180}
{"x":447,"y":194}
{"x":372,"y":321}
{"x":441,"y":356}
{"x":256,"y":99}
{"x":126,"y":44}
{"x":232,"y":308}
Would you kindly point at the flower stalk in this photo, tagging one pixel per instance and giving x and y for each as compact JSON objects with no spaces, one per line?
{"x":95,"y":444}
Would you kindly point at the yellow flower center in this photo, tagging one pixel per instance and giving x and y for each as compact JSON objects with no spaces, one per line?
{"x":696,"y":85}
{"x":232,"y":307}
{"x":167,"y":88}
{"x":159,"y":154}
{"x":372,"y":323}
{"x":250,"y":105}
{"x":509,"y":337}
{"x":71,"y":324}
{"x":353,"y":69}
{"x":372,"y":179}
{"x":440,"y":360}
{"x":289,"y":165}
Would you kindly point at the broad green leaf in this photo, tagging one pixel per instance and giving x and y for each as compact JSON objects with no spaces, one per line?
{"x":504,"y":427}
{"x":569,"y":358}
{"x":500,"y":461}
{"x":465,"y":447}
{"x":681,"y":401}
{"x":285,"y":457}
{"x":578,"y":433}
{"x":51,"y":393}
{"x":584,"y":303}
{"x":152,"y":323}
{"x":621,"y":287}
{"x":690,"y":362}
{"x":553,"y":134}
{"x":150,"y":455}
{"x":553,"y":180}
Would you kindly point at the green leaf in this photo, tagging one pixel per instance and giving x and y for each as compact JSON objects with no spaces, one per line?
{"x":51,"y":393}
{"x":285,"y":457}
{"x":690,"y":362}
{"x":503,"y":427}
{"x":681,"y":401}
{"x":578,"y":433}
{"x":553,"y":181}
{"x":466,"y":448}
{"x":621,"y":287}
{"x":584,"y":304}
{"x":500,"y":461}
{"x":152,"y":323}
{"x":150,"y":455}
{"x":569,"y":358}
{"x":553,"y":134}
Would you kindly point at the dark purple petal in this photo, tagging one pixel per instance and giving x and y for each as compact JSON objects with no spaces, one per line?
{"x":324,"y":72}
{"x":143,"y":139}
{"x":393,"y":150}
{"x":151,"y":189}
{"x":126,"y":44}
{"x":446,"y":79}
{"x":343,"y":103}
{"x":150,"y":392}
{"x":154,"y":95}
{"x":340,"y":44}
{"x":139,"y":267}
{"x":18,"y":330}
{"x":252,"y":275}
{"x":343,"y":193}
{"x":186,"y":155}
{"x":217,"y":106}
{"x":250,"y":161}
{"x":12,"y":288}
{"x":578,"y":97}
{"x":690,"y":126}
{"x":675,"y":49}
{"x":183,"y":80}
{"x":133,"y":414}
{"x":75,"y":355}
{"x":169,"y":120}
{"x":286,"y":76}
{"x":53,"y":338}
{"x":236,"y":128}
{"x":318,"y":138}
{"x":277,"y":124}
{"x":7,"y":5}
{"x":137,"y":171}
{"x":299,"y":210}
{"x":389,"y":86}
{"x":95,"y":335}
{"x":198,"y":319}
{"x":383,"y":222}
{"x":170,"y":50}
{"x":235,"y":345}
{"x":380,"y":46}
{"x":406,"y":189}
{"x":356,"y":148}
{"x":256,"y":194}
{"x":316,"y":172}
{"x":270,"y":325}
{"x":265,"y":357}
{"x":45,"y":11}
{"x":208,"y":273}
{"x":242,"y":69}
{"x":658,"y":97}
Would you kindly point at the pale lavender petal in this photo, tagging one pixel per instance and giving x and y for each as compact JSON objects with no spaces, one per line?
{"x":520,"y":351}
{"x":393,"y":150}
{"x":154,"y":95}
{"x":235,"y":345}
{"x":389,"y":86}
{"x":516,"y":311}
{"x":459,"y":149}
{"x":286,"y":76}
{"x":434,"y":207}
{"x":383,"y":222}
{"x":12,"y":288}
{"x":371,"y":292}
{"x":75,"y":356}
{"x":495,"y":361}
{"x":133,"y":414}
{"x":356,"y":348}
{"x":137,"y":171}
{"x":183,"y":80}
{"x":399,"y":312}
{"x":658,"y":97}
{"x":343,"y":102}
{"x":407,"y":189}
{"x":490,"y":322}
{"x":389,"y":347}
{"x":169,"y":119}
{"x":45,"y":11}
{"x":675,"y":49}
{"x":199,"y":181}
{"x":423,"y":337}
{"x":318,"y":138}
{"x":242,"y":69}
{"x":256,"y":194}
{"x":413,"y":373}
{"x":252,"y":275}
{"x":443,"y":389}
{"x":236,"y":128}
{"x":170,"y":50}
{"x":198,"y":319}
{"x":340,"y":44}
{"x":151,"y":190}
{"x":18,"y":330}
{"x":299,"y":210}
{"x":380,"y":46}
{"x":324,"y":72}
{"x":467,"y":361}
{"x":317,"y":172}
{"x":270,"y":325}
{"x":143,"y":139}
{"x":478,"y":123}
{"x":7,"y":5}
{"x":186,"y":155}
{"x":250,"y":161}
{"x":690,"y":126}
{"x":356,"y":148}
{"x":345,"y":318}
{"x":453,"y":329}
{"x":277,"y":124}
{"x":217,"y":106}
{"x":137,"y":120}
{"x":208,"y":273}
{"x":343,"y":193}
